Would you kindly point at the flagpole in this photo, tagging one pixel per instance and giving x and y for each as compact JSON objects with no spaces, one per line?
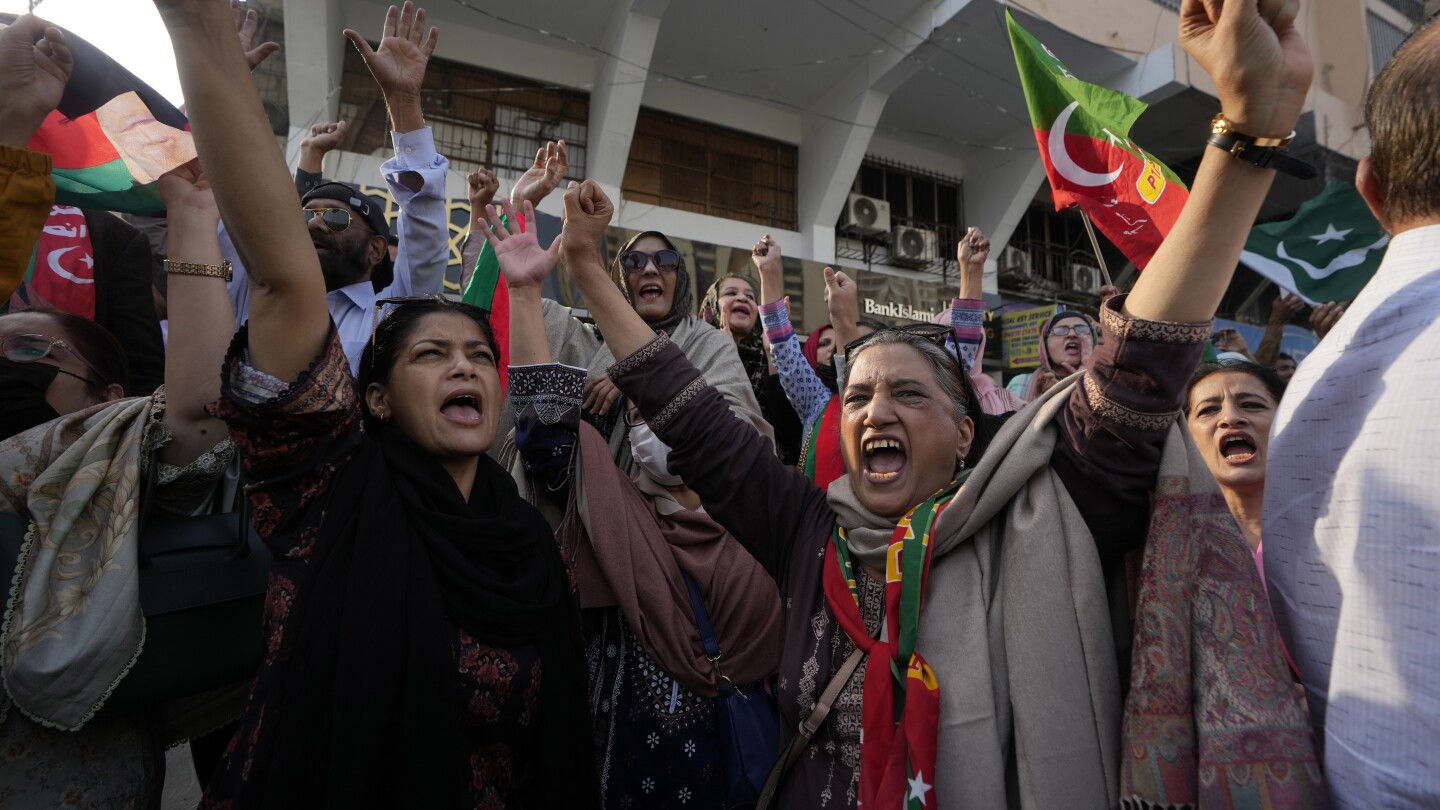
{"x":1095,"y":244}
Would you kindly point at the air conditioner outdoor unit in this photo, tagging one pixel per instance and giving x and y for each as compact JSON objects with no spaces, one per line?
{"x":1013,"y":262}
{"x":912,"y":246}
{"x":866,"y":216}
{"x":1085,"y":278}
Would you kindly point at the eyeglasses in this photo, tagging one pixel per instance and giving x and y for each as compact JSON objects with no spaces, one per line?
{"x":35,"y":348}
{"x":633,"y":417}
{"x":336,"y":219}
{"x":666,"y":261}
{"x":1079,"y":331}
{"x":396,"y":303}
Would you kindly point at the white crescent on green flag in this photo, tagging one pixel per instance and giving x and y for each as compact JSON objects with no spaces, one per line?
{"x":1326,"y":252}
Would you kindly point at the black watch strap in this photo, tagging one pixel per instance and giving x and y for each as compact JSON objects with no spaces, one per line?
{"x":1266,"y":157}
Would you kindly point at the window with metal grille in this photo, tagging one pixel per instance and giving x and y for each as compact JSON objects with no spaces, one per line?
{"x":921,"y":202}
{"x":1384,"y":39}
{"x":479,"y":117}
{"x":694,"y":166}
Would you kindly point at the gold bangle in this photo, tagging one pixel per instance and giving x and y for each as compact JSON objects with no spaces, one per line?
{"x":1220,"y":125}
{"x":221,"y":270}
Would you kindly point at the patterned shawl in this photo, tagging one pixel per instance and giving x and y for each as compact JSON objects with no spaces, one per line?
{"x":73,"y":625}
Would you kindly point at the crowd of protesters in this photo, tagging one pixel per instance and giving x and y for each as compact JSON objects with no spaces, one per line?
{"x":677,"y":554}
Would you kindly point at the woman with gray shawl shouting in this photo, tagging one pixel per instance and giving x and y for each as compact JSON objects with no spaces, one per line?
{"x":985,"y":580}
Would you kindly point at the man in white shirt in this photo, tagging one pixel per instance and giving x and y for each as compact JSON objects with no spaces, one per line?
{"x":1352,"y":503}
{"x":416,"y":179}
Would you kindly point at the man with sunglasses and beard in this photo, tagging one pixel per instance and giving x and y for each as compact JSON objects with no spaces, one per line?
{"x":348,"y":228}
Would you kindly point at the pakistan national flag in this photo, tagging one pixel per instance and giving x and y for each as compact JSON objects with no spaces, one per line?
{"x":1326,"y":252}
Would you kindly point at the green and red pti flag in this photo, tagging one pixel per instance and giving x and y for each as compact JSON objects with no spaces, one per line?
{"x":111,"y":137}
{"x":1084,"y":135}
{"x":487,"y":291}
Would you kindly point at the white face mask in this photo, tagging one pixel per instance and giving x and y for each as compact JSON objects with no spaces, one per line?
{"x":652,"y":455}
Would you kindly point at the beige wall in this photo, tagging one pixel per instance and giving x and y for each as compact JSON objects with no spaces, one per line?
{"x":1334,"y":29}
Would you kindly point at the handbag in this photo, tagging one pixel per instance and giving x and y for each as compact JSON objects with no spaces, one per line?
{"x":749,"y":721}
{"x":202,"y":590}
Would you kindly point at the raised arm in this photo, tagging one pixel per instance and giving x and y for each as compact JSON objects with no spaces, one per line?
{"x":324,"y":138}
{"x":840,"y":297}
{"x":1282,"y":310}
{"x":415,"y":174}
{"x":202,"y":323}
{"x":1262,"y":70}
{"x":761,"y":500}
{"x":36,"y":64}
{"x":289,"y":322}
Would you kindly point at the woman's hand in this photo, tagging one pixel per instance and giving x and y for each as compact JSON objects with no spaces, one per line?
{"x":973,"y":251}
{"x":35,"y":65}
{"x":551,"y":164}
{"x":767,"y":260}
{"x":600,"y":395}
{"x":840,"y":296}
{"x":522,"y":260}
{"x":480,"y":187}
{"x":1254,"y":53}
{"x":189,"y":195}
{"x":587,"y":215}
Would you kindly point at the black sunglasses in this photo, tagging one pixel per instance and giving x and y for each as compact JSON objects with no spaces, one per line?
{"x":666,"y":260}
{"x":336,"y":219}
{"x":935,"y":333}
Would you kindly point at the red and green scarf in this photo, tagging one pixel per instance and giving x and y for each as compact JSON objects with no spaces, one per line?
{"x":821,"y":460}
{"x":901,"y":701}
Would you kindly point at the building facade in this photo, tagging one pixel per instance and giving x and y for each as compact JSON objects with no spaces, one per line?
{"x":865,"y":134}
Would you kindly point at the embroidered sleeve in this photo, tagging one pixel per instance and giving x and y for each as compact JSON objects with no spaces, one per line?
{"x":1114,"y":427}
{"x":967,"y":321}
{"x":807,"y":394}
{"x":547,"y":417}
{"x":291,"y":438}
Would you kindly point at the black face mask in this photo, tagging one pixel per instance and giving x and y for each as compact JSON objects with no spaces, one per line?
{"x":22,"y":396}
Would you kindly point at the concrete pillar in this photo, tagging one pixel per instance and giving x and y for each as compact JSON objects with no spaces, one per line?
{"x":997,"y":191}
{"x":620,"y":87}
{"x":830,"y":155}
{"x":314,"y":56}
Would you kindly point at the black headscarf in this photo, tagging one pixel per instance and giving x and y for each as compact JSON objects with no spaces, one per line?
{"x":366,"y":710}
{"x":679,"y":302}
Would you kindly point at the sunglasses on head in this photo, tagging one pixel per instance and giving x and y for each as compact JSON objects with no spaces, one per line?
{"x":389,"y":305}
{"x":666,"y":261}
{"x":932,"y":332}
{"x":336,"y":219}
{"x":1064,"y":329}
{"x":35,"y":348}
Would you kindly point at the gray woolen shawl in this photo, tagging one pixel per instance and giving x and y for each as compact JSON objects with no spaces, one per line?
{"x":1016,"y":626}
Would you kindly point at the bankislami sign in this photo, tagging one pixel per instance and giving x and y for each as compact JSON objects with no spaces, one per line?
{"x":898,"y":311}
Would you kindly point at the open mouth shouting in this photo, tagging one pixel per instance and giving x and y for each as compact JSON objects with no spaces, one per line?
{"x":1238,"y":448}
{"x":650,"y":292}
{"x":463,"y":407}
{"x":885,"y":459}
